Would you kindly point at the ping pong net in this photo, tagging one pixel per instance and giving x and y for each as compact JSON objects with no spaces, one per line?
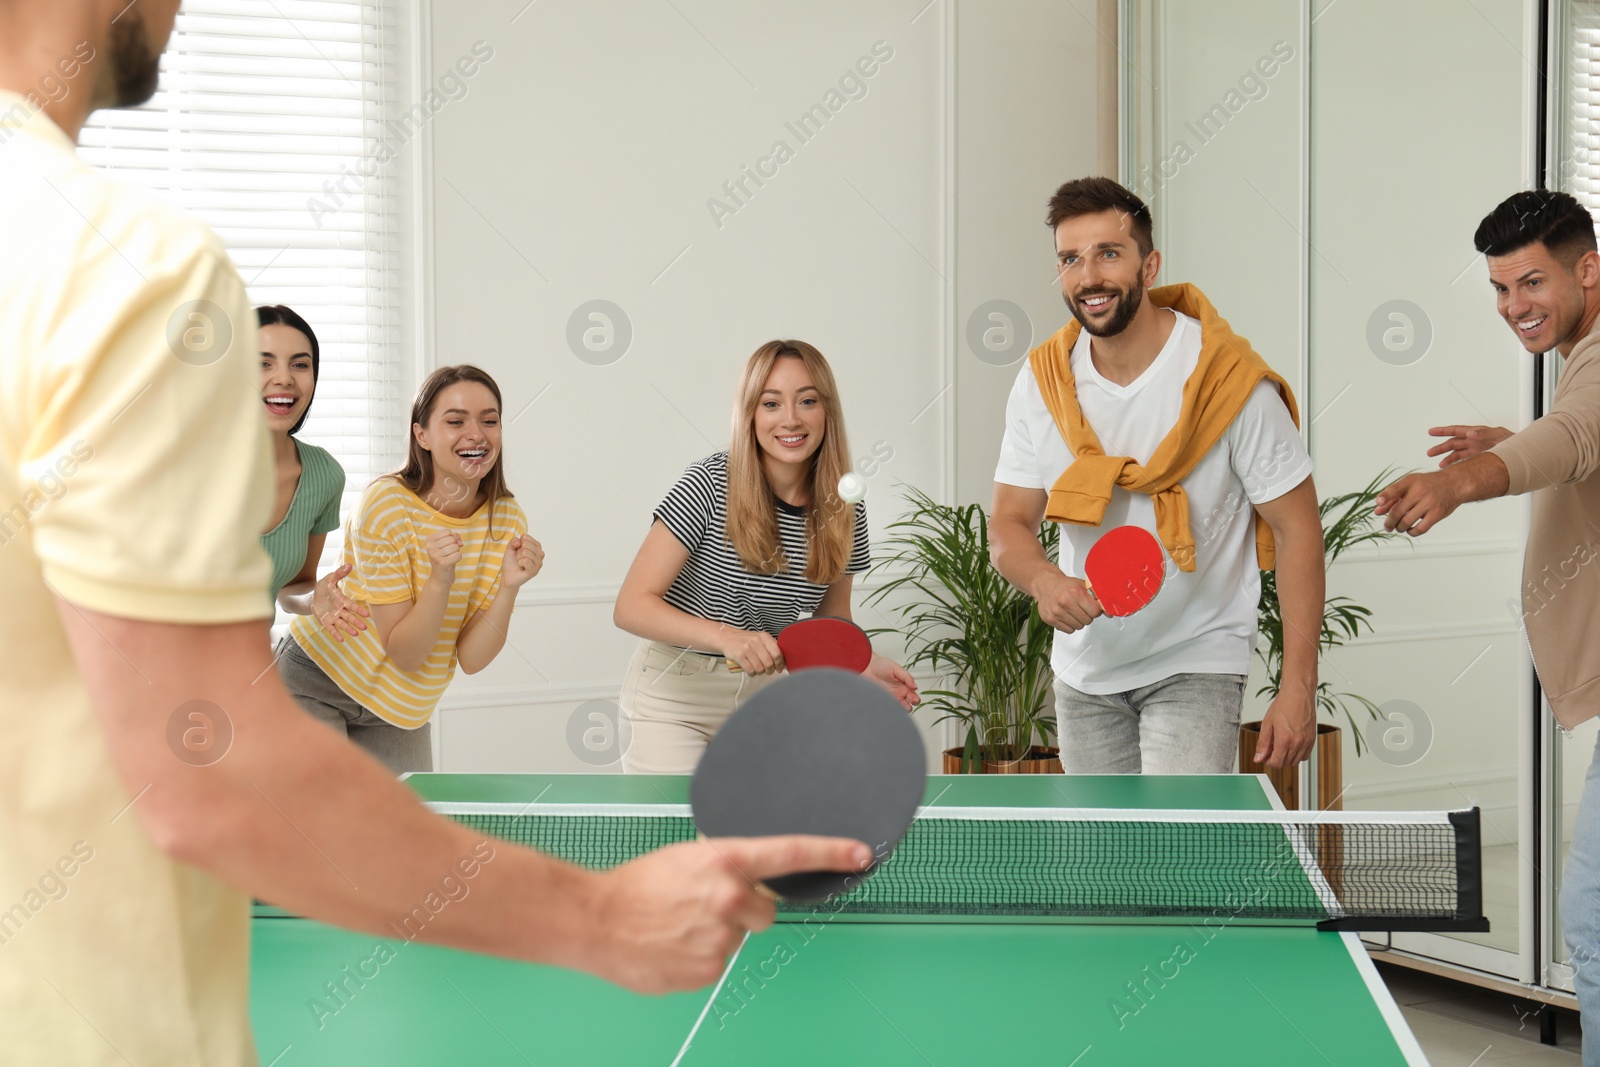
{"x":1338,"y":870}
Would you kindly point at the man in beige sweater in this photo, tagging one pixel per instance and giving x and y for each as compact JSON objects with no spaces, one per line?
{"x":1546,"y":275}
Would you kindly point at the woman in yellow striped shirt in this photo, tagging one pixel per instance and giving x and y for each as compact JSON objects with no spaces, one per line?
{"x":438,"y":550}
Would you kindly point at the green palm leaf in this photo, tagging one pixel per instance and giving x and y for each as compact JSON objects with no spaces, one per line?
{"x":961,"y":619}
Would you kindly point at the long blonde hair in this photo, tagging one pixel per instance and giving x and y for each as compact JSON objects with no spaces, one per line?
{"x":752,"y":525}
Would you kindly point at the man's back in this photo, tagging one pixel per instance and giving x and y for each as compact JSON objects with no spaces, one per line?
{"x":109,"y":951}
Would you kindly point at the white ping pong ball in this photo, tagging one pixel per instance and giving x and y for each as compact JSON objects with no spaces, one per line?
{"x":852,"y":488}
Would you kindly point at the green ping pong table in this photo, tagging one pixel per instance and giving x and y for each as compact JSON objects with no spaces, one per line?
{"x":811,"y":989}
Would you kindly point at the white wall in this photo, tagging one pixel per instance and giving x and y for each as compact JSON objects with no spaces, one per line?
{"x":578,"y":166}
{"x":1026,"y":123}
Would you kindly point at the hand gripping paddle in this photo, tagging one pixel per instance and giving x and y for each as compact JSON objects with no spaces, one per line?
{"x":822,"y":752}
{"x":1125,"y":570}
{"x":822,"y":641}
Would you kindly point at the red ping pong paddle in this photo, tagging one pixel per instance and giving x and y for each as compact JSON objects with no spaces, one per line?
{"x":822,"y":641}
{"x":821,"y":752}
{"x":1124,"y":570}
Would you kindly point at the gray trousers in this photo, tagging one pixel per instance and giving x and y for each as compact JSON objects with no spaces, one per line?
{"x":1185,"y":724}
{"x":398,"y":749}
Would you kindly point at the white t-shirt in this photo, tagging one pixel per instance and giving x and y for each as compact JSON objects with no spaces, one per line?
{"x":1203,"y":621}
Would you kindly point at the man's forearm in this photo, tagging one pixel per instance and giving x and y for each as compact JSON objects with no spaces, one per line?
{"x":294,"y":813}
{"x":1483,"y":477}
{"x":332,"y":836}
{"x":1018,"y":555}
{"x":1302,"y":595}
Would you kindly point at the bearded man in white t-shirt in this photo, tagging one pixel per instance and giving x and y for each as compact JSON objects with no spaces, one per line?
{"x":1149,"y":411}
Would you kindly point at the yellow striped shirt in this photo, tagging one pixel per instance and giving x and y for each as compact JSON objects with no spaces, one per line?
{"x":385,"y":545}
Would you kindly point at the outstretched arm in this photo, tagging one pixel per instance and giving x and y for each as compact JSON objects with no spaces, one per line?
{"x":298,"y":816}
{"x":1559,"y":448}
{"x":1464,"y":442}
{"x":1418,"y":502}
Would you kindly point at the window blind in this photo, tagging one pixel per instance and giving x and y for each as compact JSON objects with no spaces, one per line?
{"x":267,"y":126}
{"x":1578,"y":167}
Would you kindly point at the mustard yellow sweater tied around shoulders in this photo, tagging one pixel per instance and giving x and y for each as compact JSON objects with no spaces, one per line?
{"x":1228,"y":371}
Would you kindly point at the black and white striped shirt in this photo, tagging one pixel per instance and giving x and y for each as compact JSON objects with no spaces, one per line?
{"x":714,"y":583}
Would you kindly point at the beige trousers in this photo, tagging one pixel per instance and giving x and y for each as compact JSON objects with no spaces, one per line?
{"x":672,"y":702}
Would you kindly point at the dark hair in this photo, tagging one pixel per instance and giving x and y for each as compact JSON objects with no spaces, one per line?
{"x":417,"y":474}
{"x":1090,"y":196}
{"x":279,"y":315}
{"x":1553,"y":219}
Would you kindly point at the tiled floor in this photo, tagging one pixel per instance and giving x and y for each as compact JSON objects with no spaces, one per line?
{"x":1460,"y":1025}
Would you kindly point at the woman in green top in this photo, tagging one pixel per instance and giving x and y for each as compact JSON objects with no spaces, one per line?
{"x":309,"y":480}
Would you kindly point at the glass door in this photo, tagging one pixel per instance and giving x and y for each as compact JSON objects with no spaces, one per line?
{"x":1318,"y":169}
{"x":1574,"y":167}
{"x":1404,"y":336}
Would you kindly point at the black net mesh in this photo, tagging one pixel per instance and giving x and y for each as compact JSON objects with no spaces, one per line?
{"x":1294,"y":869}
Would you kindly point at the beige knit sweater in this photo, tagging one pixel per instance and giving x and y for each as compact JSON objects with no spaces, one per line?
{"x":1557,"y":458}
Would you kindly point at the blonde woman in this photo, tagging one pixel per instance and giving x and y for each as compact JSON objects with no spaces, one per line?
{"x":748,"y":541}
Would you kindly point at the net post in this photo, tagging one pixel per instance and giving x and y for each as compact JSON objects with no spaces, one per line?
{"x":1469,"y":864}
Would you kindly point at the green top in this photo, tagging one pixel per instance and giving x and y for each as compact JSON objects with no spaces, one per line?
{"x":314,"y":510}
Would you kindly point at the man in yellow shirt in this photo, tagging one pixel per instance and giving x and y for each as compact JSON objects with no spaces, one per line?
{"x":154,"y":770}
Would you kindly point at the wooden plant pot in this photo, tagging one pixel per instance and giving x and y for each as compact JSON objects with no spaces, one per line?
{"x":1329,"y":755}
{"x":1039,"y":761}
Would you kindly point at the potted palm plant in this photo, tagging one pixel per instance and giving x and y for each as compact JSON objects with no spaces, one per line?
{"x":963,"y":620}
{"x":1347,"y":521}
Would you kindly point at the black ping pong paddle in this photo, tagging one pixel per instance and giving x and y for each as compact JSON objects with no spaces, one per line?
{"x":824,"y":752}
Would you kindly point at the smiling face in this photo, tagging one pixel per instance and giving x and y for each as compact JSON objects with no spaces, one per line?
{"x":789,"y":415}
{"x":462,"y":434}
{"x":1539,"y":297}
{"x":287,"y":381}
{"x":1103,"y":274}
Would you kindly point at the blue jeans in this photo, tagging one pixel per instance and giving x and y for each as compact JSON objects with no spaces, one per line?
{"x":1580,"y":910}
{"x":1185,"y":724}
